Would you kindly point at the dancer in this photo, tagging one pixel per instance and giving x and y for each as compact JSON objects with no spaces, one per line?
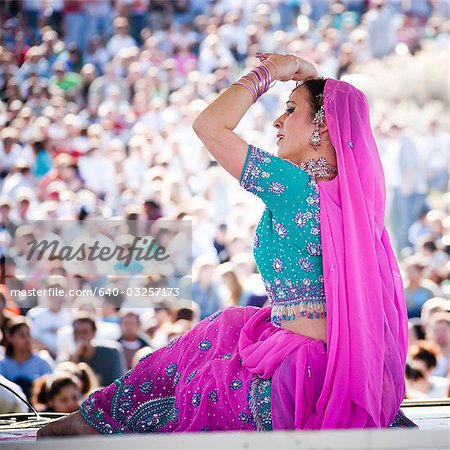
{"x":330,"y":351}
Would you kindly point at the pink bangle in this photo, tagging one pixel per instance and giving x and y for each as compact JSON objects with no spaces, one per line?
{"x":260,"y":82}
{"x":274,"y":65}
{"x":249,"y":86}
{"x":253,"y":84}
{"x":240,"y":83}
{"x":267,"y":77}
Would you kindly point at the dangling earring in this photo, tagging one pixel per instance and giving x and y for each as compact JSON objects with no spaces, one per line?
{"x":318,"y":121}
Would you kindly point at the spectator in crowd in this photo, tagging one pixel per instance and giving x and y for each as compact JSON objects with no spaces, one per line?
{"x":237,"y":295}
{"x":75,"y":23}
{"x":43,"y":163}
{"x":121,"y":39}
{"x":9,"y":150}
{"x":20,"y":364}
{"x":6,"y":314}
{"x":204,"y":286}
{"x":410,"y":185}
{"x":431,"y":307}
{"x":83,"y":375}
{"x":416,"y":383}
{"x":440,"y":336}
{"x":46,"y":320}
{"x":105,"y":358}
{"x":382,"y":25}
{"x":98,"y":14}
{"x":419,"y":229}
{"x":417,"y":288}
{"x":105,"y":330}
{"x":131,"y":339}
{"x":424,"y":358}
{"x":58,"y":392}
{"x":158,"y":325}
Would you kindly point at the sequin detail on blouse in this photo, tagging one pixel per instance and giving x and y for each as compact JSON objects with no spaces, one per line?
{"x":287,"y":244}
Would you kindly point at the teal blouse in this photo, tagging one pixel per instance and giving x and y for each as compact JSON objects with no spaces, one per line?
{"x":287,"y":244}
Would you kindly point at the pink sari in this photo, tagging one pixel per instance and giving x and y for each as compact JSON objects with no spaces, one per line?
{"x":236,"y":371}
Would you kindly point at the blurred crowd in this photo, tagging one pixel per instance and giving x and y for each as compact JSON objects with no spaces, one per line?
{"x":97,"y":101}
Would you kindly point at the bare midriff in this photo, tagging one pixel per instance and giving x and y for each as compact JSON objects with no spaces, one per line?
{"x":313,"y":328}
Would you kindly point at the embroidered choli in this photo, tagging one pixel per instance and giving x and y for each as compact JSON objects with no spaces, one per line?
{"x":287,"y":244}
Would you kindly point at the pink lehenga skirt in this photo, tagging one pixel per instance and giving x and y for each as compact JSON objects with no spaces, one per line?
{"x":233,"y":371}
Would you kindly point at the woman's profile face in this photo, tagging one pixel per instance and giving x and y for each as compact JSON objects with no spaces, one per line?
{"x":296,"y":126}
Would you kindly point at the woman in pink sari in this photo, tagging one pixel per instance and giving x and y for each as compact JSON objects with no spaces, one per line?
{"x":330,"y":351}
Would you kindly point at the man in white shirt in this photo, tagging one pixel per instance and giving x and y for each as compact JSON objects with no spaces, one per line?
{"x":121,"y":39}
{"x":436,"y":156}
{"x":48,"y":319}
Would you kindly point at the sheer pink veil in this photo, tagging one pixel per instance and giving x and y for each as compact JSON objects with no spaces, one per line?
{"x":367,"y":319}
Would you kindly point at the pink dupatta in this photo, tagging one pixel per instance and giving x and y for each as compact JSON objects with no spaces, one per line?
{"x":359,"y":382}
{"x":367,"y":319}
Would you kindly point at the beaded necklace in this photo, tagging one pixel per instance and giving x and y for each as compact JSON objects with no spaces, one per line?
{"x":319,"y":168}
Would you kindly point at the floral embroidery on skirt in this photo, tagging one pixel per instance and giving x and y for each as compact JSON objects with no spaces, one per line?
{"x":195,"y":383}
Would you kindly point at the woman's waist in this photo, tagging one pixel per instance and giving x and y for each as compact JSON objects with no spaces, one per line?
{"x":312,"y":328}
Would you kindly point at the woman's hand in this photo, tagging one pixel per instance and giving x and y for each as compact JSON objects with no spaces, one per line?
{"x":290,"y":67}
{"x":71,"y":425}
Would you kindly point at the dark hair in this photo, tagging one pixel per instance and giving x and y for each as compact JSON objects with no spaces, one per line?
{"x":46,"y":388}
{"x":413,"y":374}
{"x":85,"y":317}
{"x":113,"y":297}
{"x":124,"y":313}
{"x":185,"y":314}
{"x":81,"y":371}
{"x":316,"y":87}
{"x":425,"y":351}
{"x":417,"y":327}
{"x":14,"y":325}
{"x":430,"y":245}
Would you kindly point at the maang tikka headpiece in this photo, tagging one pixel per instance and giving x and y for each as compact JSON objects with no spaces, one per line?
{"x":318,"y":121}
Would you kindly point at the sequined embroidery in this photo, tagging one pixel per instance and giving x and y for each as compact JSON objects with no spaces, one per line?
{"x":146,"y":387}
{"x":152,"y":415}
{"x":244,"y":417}
{"x":204,"y":345}
{"x":171,"y":370}
{"x":260,"y":400}
{"x":236,"y":384}
{"x":196,"y":399}
{"x":291,"y":301}
{"x":176,"y":378}
{"x":214,"y":315}
{"x":190,"y":376}
{"x":213,"y":396}
{"x":287,"y":242}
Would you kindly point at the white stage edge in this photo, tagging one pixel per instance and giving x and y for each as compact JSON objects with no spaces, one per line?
{"x":403,"y":439}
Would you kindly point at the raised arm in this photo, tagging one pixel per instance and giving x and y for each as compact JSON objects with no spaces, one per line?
{"x":215,"y":124}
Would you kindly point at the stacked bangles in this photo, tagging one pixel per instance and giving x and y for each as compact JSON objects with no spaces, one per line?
{"x":258,"y":80}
